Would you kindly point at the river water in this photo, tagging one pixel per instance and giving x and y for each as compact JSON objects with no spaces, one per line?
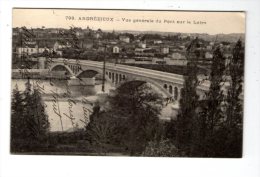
{"x":69,"y":107}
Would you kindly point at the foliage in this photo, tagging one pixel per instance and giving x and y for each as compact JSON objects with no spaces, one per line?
{"x":163,"y":148}
{"x":109,"y":36}
{"x":104,"y":129}
{"x":29,"y":121}
{"x":212,"y":127}
{"x":131,"y":36}
{"x":189,"y":101}
{"x":140,"y":105}
{"x":71,"y":53}
{"x":16,"y":114}
{"x":130,"y":122}
{"x":210,"y":119}
{"x":151,"y":37}
{"x":234,"y":110}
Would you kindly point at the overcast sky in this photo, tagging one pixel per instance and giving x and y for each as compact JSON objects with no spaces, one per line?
{"x":212,"y":22}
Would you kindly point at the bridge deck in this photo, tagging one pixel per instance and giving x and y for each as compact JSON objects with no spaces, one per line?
{"x":160,"y":75}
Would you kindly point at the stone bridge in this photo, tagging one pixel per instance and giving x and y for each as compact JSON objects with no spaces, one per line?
{"x":168,"y":84}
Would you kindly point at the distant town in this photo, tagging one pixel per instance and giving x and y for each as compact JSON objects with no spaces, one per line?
{"x":124,"y":47}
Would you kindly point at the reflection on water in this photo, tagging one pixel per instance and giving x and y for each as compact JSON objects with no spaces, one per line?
{"x":69,"y":107}
{"x":73,"y":105}
{"x":81,"y":90}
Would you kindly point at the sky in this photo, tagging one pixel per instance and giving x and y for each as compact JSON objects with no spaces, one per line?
{"x":164,"y":21}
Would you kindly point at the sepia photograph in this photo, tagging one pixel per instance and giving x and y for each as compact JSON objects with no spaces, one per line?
{"x":142,"y":83}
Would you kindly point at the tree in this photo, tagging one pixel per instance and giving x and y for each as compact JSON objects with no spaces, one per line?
{"x":189,"y":100}
{"x":37,"y":124}
{"x":234,"y":110}
{"x":30,"y":123}
{"x":215,"y":95}
{"x":211,"y":117}
{"x":17,"y":123}
{"x":40,"y":115}
{"x":137,"y":103}
{"x":218,"y":134}
{"x":104,"y":131}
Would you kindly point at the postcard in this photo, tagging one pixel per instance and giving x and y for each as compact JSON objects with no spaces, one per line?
{"x":144,"y":83}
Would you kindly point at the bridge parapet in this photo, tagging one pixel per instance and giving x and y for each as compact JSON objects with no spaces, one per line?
{"x":169,"y":83}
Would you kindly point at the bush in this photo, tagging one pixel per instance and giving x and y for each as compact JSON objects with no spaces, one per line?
{"x":163,"y":148}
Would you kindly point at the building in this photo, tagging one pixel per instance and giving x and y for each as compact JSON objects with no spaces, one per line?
{"x":53,"y":30}
{"x":125,"y":39}
{"x":142,"y":45}
{"x":208,"y":55}
{"x":86,"y":44}
{"x":212,"y":43}
{"x":165,"y":50}
{"x":115,"y":49}
{"x":180,"y":62}
{"x":57,"y":46}
{"x":177,"y":56}
{"x":101,"y":48}
{"x":112,"y":42}
{"x":79,"y":32}
{"x":157,"y":42}
{"x":59,"y":52}
{"x":97,"y":35}
{"x":209,"y":47}
{"x":29,"y":50}
{"x":147,"y":52}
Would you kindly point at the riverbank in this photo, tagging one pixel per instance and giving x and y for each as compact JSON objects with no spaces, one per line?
{"x":73,"y":143}
{"x":38,"y":74}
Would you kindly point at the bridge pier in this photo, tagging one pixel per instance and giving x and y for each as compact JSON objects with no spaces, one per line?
{"x":167,"y":83}
{"x":82,"y":82}
{"x":112,"y":77}
{"x":175,"y":91}
{"x":41,"y":63}
{"x":116,"y":78}
{"x":75,"y":68}
{"x":120,"y":77}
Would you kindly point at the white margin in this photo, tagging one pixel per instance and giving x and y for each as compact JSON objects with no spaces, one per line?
{"x":77,"y":166}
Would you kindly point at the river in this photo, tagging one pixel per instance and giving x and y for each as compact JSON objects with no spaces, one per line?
{"x":71,"y":107}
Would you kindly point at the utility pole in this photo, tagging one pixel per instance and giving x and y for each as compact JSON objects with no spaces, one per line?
{"x":21,"y":37}
{"x":37,"y":43}
{"x":104,"y":71}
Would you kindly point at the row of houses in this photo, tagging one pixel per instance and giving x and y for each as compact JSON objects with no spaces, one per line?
{"x":123,"y":46}
{"x":34,"y":48}
{"x":139,"y":51}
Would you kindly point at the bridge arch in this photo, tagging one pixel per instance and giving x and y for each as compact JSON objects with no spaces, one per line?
{"x":170,"y":89}
{"x":61,"y":67}
{"x":87,"y":74}
{"x":159,"y":88}
{"x":85,"y":70}
{"x":165,"y":86}
{"x":93,"y":72}
{"x":176,"y":93}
